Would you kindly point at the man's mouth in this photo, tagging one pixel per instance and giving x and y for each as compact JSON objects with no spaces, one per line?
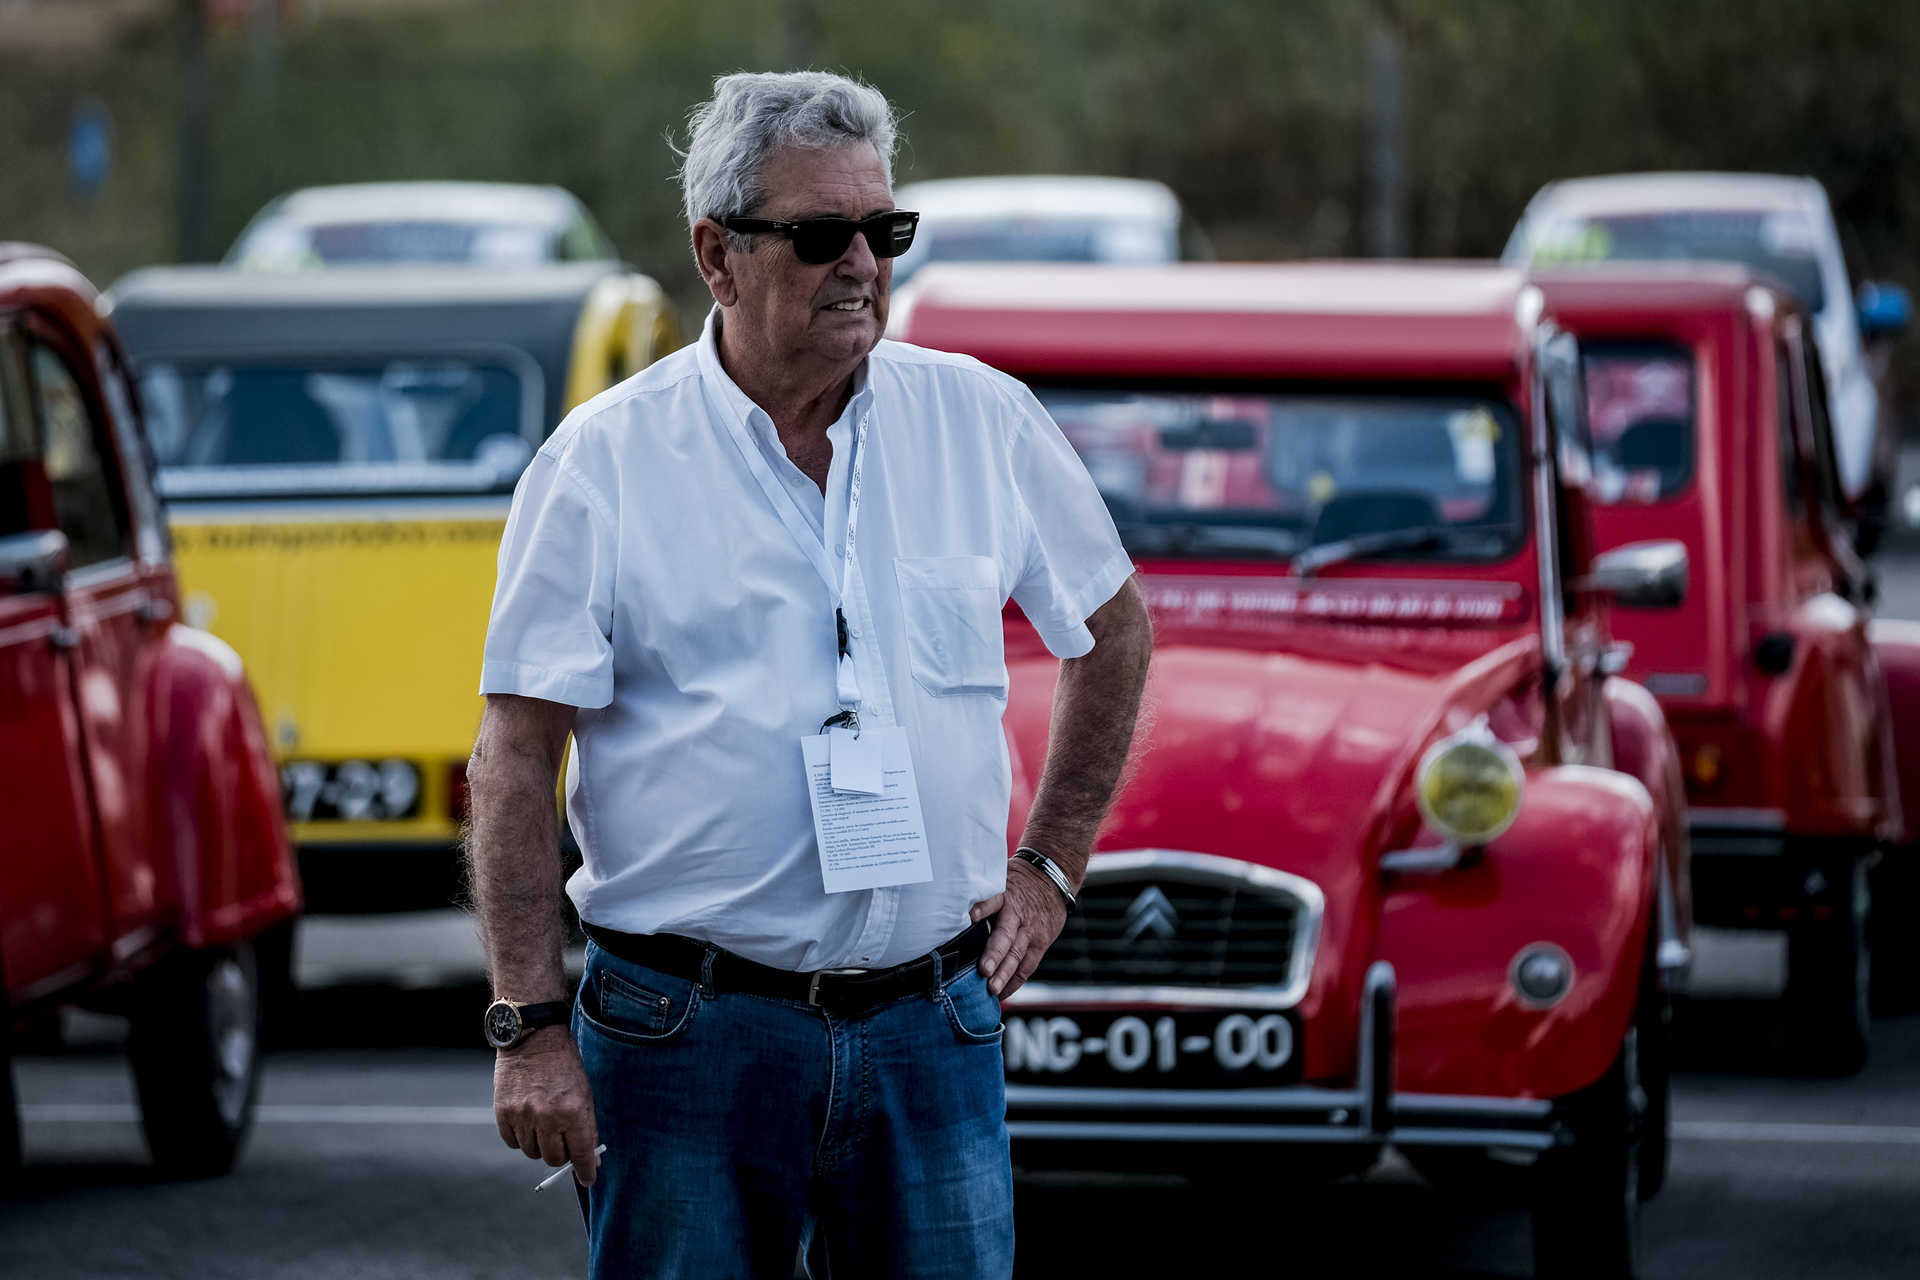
{"x":850,"y":304}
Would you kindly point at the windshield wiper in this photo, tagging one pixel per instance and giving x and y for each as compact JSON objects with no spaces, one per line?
{"x":1190,"y":538}
{"x":1365,"y":545}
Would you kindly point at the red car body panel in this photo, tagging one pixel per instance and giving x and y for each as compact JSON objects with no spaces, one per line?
{"x":143,"y":811}
{"x":1287,"y":716}
{"x":1809,"y":742}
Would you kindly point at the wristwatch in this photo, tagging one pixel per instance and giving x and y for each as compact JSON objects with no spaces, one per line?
{"x":1051,"y":870}
{"x":508,"y":1023}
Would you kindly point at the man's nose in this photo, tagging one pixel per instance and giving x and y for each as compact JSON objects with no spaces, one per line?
{"x":858,"y":262}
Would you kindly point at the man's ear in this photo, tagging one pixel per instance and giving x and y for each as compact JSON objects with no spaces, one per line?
{"x":710,"y":255}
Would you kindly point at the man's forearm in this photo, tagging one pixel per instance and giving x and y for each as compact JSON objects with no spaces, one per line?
{"x":513,"y":851}
{"x":1095,"y":707}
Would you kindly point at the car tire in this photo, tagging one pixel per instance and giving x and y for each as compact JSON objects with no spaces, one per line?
{"x":274,"y":952}
{"x":1654,"y":1032}
{"x":195,"y":1046}
{"x":9,"y":1118}
{"x":1830,"y":981}
{"x":1586,"y":1212}
{"x":1895,"y":983}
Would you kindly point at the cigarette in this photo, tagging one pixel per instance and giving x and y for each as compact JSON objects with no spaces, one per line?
{"x":554,"y":1177}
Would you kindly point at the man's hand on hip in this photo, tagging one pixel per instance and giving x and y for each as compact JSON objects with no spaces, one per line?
{"x":1027,"y":917}
{"x":543,"y":1105}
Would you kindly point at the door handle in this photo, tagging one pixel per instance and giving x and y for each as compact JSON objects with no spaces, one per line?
{"x":154,"y":609}
{"x":63,"y":639}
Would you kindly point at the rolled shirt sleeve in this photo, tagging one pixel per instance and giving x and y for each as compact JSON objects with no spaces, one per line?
{"x":1074,"y":560}
{"x":550,"y":632}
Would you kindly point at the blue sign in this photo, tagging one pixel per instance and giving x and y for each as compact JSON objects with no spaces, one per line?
{"x":90,"y":147}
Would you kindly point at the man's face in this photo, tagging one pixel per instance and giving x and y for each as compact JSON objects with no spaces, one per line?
{"x":833,"y":312}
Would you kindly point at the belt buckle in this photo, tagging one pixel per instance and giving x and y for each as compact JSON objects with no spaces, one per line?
{"x":813,"y":984}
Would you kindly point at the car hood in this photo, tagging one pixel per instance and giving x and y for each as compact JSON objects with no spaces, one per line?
{"x":1299,"y":761}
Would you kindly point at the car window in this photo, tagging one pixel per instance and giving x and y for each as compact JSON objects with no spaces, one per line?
{"x":1826,"y":469}
{"x":149,"y":525}
{"x":77,"y":471}
{"x":1789,"y":451}
{"x":1640,"y":420}
{"x":1264,"y":475}
{"x":431,"y":423}
{"x":17,"y":442}
{"x":1779,"y":243}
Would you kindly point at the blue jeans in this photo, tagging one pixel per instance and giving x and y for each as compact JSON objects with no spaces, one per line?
{"x":743,"y":1130}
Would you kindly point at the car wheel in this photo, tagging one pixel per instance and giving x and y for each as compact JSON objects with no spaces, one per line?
{"x":1895,"y":982}
{"x":1654,"y":1030}
{"x":195,"y":1045}
{"x":1586,"y":1213}
{"x":273,"y":957}
{"x":1830,"y":980}
{"x":9,"y":1116}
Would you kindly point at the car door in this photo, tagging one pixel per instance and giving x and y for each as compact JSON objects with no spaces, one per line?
{"x":53,"y":926}
{"x":113,"y":616}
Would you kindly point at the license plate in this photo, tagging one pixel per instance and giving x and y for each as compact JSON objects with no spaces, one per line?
{"x":1185,"y":1049}
{"x":350,"y":790}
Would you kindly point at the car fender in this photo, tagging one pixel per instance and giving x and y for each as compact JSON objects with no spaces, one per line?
{"x":1897,"y":646}
{"x":217,"y":819}
{"x":1575,"y":871}
{"x":1825,"y":722}
{"x":1643,"y":748}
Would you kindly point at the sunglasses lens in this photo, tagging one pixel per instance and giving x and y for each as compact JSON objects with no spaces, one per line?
{"x":821,"y":240}
{"x":890,"y":234}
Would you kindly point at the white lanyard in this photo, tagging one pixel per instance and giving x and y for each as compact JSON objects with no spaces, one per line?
{"x":846,"y":684}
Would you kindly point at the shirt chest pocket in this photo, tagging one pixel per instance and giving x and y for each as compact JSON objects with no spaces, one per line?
{"x":951,"y":606}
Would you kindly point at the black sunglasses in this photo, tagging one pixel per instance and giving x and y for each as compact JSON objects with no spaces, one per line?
{"x":822,"y":240}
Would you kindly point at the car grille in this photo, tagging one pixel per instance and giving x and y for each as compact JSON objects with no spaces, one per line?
{"x":1158,"y":931}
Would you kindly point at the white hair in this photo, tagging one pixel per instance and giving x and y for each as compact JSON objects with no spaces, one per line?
{"x":751,"y":115}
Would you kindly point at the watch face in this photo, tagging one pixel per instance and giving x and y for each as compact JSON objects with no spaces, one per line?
{"x":503,"y":1024}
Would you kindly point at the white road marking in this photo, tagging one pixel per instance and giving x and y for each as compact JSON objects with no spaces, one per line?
{"x":269,"y":1113}
{"x":1809,"y":1134}
{"x":357,"y":1114}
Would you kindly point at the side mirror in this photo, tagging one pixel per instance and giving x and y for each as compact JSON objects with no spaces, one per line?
{"x":1640,"y":575}
{"x":1885,"y":310}
{"x":33,"y":564}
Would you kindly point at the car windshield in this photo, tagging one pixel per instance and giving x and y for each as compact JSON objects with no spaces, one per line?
{"x":1640,"y":416}
{"x":1265,"y":476}
{"x":436,"y":424}
{"x":1779,"y":244}
{"x":286,"y":245}
{"x":1038,"y":240}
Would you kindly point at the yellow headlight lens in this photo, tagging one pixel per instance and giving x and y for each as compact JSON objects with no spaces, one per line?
{"x":1469,"y":789}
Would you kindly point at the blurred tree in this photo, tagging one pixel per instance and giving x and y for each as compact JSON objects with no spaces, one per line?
{"x":1258,"y":114}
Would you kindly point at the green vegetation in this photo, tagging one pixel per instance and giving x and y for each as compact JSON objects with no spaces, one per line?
{"x":1257,"y":113}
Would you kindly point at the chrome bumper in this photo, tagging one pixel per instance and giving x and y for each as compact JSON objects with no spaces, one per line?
{"x":1369,"y":1115}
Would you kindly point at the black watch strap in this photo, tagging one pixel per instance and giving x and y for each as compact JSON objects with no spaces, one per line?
{"x":548,"y":1013}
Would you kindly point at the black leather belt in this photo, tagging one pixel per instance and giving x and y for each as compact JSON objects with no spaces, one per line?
{"x":835,"y":990}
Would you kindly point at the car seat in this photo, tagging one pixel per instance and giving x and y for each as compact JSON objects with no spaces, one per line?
{"x":272,"y":420}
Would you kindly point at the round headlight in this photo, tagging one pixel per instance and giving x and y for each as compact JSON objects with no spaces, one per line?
{"x":1468,"y":787}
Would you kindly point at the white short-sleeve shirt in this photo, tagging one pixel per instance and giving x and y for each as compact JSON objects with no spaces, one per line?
{"x":648,"y":579}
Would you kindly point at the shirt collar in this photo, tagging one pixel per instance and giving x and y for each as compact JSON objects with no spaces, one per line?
{"x":740,"y":405}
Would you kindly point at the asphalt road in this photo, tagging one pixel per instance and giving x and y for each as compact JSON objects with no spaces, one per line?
{"x":374,"y":1156}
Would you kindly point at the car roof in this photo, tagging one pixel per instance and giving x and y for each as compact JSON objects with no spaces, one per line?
{"x":202,"y":312}
{"x":403,"y":285}
{"x":1040,"y":195}
{"x":1205,"y":319}
{"x":1663,"y":288}
{"x":435,"y":201}
{"x":1626,"y":193}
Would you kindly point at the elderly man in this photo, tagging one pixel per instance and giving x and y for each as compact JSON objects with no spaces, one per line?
{"x":761,"y":585}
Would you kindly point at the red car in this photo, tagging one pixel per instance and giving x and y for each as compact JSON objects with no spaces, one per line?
{"x":1397,"y":862}
{"x":144,"y":865}
{"x":1707,"y":412}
